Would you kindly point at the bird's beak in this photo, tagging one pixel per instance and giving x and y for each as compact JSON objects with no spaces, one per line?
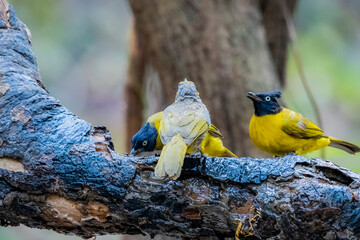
{"x":135,"y":152}
{"x":253,"y":97}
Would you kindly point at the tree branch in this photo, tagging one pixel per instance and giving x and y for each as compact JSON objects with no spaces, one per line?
{"x":58,"y":172}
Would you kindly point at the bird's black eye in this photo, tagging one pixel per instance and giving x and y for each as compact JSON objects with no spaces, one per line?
{"x":144,"y":143}
{"x":267,"y":98}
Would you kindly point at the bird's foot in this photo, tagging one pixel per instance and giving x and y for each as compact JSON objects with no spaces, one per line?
{"x":291,"y":154}
{"x":202,"y":157}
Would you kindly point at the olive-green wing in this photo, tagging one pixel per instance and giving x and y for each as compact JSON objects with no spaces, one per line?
{"x":190,"y":126}
{"x":214,"y":131}
{"x":168,"y":127}
{"x":155,"y":119}
{"x":196,"y":128}
{"x":298,"y":126}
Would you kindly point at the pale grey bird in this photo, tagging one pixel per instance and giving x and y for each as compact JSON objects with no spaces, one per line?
{"x":182,"y":129}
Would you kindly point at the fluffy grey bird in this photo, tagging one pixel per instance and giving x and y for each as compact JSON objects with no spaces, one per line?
{"x":183,"y":127}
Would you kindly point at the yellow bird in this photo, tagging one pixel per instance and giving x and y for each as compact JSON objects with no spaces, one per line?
{"x":213,"y":146}
{"x":147,"y":139}
{"x":182,"y":129}
{"x":278,"y":131}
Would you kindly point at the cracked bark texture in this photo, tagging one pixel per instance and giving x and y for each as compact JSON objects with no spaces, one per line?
{"x":226,"y":47}
{"x":59,"y":172}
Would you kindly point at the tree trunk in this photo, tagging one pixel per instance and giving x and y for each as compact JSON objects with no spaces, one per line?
{"x":277,"y":35}
{"x":226,"y":47}
{"x":134,"y":88}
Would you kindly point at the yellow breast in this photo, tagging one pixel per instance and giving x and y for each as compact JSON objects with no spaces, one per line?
{"x":213,"y":146}
{"x":154,"y":121}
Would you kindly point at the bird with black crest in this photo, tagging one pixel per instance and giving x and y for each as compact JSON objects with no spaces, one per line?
{"x":278,"y":130}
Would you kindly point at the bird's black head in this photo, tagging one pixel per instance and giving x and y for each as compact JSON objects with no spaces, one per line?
{"x":265,"y":103}
{"x":144,"y":140}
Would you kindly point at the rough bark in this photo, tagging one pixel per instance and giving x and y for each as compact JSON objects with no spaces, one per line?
{"x":226,"y":47}
{"x":58,"y":172}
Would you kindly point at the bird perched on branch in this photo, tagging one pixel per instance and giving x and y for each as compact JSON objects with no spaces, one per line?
{"x":147,"y":139}
{"x":182,"y":129}
{"x":278,"y":131}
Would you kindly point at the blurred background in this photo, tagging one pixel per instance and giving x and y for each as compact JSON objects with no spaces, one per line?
{"x":82,"y":53}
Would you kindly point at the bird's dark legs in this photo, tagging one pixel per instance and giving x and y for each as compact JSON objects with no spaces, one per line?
{"x":291,"y":154}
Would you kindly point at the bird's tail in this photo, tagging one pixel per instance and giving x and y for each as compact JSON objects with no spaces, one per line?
{"x":345,"y":146}
{"x":228,"y":153}
{"x":171,"y":158}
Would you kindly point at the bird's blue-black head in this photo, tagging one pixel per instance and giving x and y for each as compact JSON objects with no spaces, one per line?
{"x":144,"y":140}
{"x":265,"y":103}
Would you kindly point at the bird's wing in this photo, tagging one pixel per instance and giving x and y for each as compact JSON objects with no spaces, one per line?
{"x":155,"y":119}
{"x":214,"y":131}
{"x":190,"y":126}
{"x":297,"y":125}
{"x":194,"y":130}
{"x":168,"y":127}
